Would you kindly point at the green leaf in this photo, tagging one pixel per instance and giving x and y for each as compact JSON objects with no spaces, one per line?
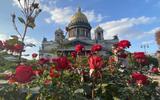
{"x":31,"y":25}
{"x":21,"y":20}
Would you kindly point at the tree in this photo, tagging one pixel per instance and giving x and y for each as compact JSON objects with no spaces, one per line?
{"x":30,"y":10}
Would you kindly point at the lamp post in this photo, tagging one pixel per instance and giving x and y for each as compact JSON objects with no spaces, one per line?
{"x":145,"y":47}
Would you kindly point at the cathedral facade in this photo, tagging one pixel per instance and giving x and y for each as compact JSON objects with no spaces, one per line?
{"x":79,"y":32}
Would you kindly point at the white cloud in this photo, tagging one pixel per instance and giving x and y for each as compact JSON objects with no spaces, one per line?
{"x":91,"y":15}
{"x":63,"y":15}
{"x":153,"y":31}
{"x":125,"y":27}
{"x":59,"y":15}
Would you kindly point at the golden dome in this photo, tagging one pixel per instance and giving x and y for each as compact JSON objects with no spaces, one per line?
{"x":79,"y":17}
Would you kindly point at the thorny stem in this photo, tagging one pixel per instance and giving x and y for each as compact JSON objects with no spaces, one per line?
{"x":93,"y":86}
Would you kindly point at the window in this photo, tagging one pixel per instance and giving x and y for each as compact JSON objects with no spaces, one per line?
{"x":99,"y":36}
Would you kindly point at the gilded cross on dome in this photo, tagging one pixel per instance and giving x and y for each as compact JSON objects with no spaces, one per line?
{"x":79,"y":9}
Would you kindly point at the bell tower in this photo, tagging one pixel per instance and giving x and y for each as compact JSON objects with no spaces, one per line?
{"x":99,"y":33}
{"x":59,"y":36}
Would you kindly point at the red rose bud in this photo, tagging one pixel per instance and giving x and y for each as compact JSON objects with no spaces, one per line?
{"x":34,"y":55}
{"x":23,"y":74}
{"x":96,"y":47}
{"x":79,"y":48}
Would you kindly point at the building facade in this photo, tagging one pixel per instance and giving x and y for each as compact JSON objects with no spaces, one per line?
{"x":79,"y":32}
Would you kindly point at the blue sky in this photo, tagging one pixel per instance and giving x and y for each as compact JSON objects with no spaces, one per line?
{"x":134,"y":20}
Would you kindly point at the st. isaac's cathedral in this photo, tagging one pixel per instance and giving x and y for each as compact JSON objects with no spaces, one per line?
{"x":78,"y":32}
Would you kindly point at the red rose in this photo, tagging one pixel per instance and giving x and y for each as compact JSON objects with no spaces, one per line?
{"x":53,"y":74}
{"x":124,"y":44}
{"x":140,"y":57}
{"x":96,"y":47}
{"x":79,"y":48}
{"x":95,"y":62}
{"x":73,"y":54}
{"x":23,"y":74}
{"x":154,"y":70}
{"x":139,"y":78}
{"x":34,"y":55}
{"x":62,"y":63}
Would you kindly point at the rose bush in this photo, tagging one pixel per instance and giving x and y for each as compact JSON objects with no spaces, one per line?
{"x":72,"y":78}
